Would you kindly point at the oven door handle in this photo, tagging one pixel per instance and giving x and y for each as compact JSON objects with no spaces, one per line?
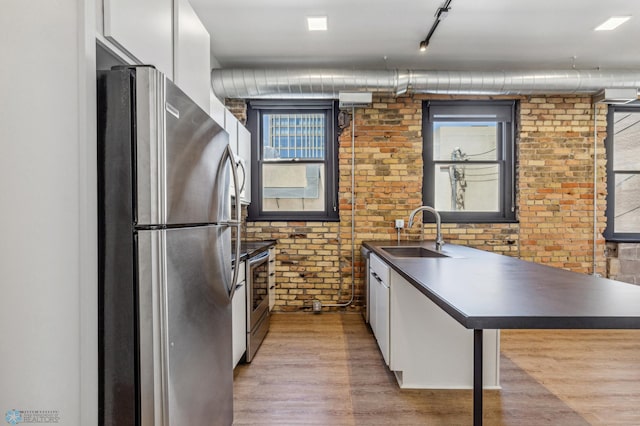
{"x":258,"y":259}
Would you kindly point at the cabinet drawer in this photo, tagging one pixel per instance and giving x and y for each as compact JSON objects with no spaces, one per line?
{"x":379,"y":267}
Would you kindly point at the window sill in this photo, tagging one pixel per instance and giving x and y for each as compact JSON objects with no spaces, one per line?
{"x":272,"y":218}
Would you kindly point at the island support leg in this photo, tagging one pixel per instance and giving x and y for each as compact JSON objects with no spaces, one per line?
{"x":477,"y":377}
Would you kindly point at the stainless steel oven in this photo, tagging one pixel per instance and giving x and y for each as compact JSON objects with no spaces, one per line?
{"x":257,"y":302}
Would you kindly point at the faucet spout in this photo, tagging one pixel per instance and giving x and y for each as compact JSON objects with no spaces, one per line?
{"x":439,"y":240}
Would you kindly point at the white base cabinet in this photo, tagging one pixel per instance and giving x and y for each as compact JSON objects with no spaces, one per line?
{"x":431,"y":350}
{"x":423,"y":345}
{"x":239,"y":317}
{"x":379,"y":294}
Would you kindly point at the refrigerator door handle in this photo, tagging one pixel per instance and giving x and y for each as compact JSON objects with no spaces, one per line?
{"x":244,"y":177}
{"x":228,"y":156}
{"x":230,"y":223}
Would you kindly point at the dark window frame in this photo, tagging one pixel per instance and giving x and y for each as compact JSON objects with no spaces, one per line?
{"x":255,"y":109}
{"x":506,"y":157}
{"x":609,"y":142}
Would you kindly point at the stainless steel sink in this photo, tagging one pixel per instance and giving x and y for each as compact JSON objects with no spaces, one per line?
{"x":412,"y":251}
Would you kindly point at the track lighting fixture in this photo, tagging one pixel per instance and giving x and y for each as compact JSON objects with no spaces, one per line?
{"x":440,"y":14}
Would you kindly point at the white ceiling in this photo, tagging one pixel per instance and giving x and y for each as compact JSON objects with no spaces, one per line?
{"x":477,"y":35}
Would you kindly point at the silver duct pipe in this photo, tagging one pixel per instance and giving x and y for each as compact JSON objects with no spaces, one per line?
{"x":327,"y":83}
{"x":310,"y":83}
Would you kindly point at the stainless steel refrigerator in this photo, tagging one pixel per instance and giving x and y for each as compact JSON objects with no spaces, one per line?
{"x":165,"y":265}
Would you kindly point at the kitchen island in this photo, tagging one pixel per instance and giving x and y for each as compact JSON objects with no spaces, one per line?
{"x":483,"y":290}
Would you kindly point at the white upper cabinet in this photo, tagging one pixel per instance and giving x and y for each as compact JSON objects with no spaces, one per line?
{"x":240,"y":141}
{"x":217,"y":108}
{"x":244,"y":152}
{"x":144,"y":29}
{"x":166,"y":34}
{"x":192,"y":55}
{"x":231,"y":126}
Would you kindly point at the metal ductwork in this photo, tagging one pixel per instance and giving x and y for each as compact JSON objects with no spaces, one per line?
{"x":327,"y":83}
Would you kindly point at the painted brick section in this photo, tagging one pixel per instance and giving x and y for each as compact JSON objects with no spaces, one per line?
{"x":554,"y":196}
{"x":624,"y":262}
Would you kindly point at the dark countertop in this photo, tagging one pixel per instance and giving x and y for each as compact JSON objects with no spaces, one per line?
{"x":250,"y":249}
{"x":484,"y":290}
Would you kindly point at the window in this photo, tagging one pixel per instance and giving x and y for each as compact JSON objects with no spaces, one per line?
{"x":295,"y":156}
{"x":469,"y":160}
{"x":623,"y":174}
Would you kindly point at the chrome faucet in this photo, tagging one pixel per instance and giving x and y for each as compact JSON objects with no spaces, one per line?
{"x":439,"y":240}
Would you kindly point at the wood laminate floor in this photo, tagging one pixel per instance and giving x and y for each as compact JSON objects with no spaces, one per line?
{"x":326,"y":370}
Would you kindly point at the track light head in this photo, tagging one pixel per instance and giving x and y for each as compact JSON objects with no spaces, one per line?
{"x":441,"y":13}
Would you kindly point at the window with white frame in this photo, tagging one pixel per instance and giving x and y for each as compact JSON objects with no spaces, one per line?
{"x":295,"y":156}
{"x":469,"y":160}
{"x":623,"y":174}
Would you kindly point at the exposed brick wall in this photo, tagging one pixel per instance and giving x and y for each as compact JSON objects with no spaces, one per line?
{"x":237,"y":107}
{"x":307,"y":262}
{"x":556,"y":182}
{"x":554,"y":195}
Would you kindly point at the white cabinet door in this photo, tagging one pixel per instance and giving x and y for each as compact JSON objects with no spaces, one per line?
{"x":244,"y":152}
{"x":143,"y":28}
{"x":240,"y":141}
{"x":217,"y":109}
{"x":430,"y":349}
{"x":379,"y":293}
{"x":191,"y":55}
{"x":373,"y":303}
{"x":231,"y":126}
{"x":379,"y":313}
{"x":382,"y":319}
{"x":239,"y":317}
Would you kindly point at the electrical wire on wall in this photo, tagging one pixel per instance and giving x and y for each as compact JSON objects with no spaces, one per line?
{"x":595,"y":187}
{"x":353,"y":222}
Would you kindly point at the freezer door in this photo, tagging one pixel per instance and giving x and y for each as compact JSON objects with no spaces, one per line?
{"x":179,"y":150}
{"x":186,"y":376}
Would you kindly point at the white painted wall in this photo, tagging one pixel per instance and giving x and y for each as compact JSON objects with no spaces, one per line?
{"x":48,"y":288}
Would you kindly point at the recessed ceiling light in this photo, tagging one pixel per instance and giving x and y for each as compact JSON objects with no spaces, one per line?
{"x":612,"y":23}
{"x":317,"y":23}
